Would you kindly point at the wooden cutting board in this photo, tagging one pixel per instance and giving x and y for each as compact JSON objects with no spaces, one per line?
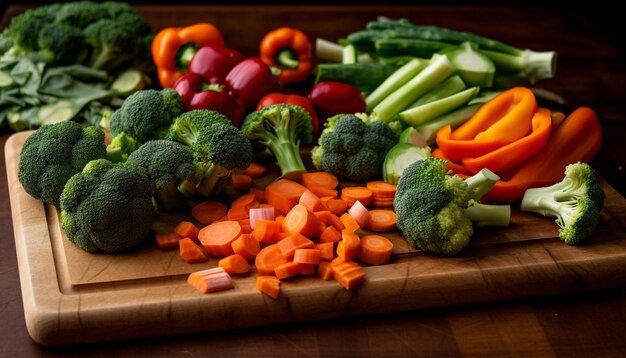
{"x":73,"y":297}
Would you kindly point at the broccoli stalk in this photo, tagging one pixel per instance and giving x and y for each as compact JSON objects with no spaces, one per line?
{"x":575,"y":202}
{"x":281,"y":128}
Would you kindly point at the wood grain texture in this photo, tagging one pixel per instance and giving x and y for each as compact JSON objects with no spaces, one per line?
{"x":71,"y":296}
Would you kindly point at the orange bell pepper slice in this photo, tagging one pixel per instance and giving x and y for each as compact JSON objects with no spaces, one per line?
{"x":515,"y":152}
{"x":290,"y":51}
{"x":174,"y":47}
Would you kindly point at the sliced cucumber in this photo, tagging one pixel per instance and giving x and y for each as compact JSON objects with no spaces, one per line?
{"x":128,"y":82}
{"x":474,"y":68}
{"x":60,"y":111}
{"x":399,"y":157}
{"x":393,"y":47}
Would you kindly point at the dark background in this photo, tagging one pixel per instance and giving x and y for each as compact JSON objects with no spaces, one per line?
{"x":606,"y":18}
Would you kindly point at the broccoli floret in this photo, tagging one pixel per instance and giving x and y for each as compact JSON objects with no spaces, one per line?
{"x":112,"y":45}
{"x":61,"y":44}
{"x":26,"y":27}
{"x":435,"y":210}
{"x":281,"y":129}
{"x":168,"y":163}
{"x":145,"y":115}
{"x":217,"y":146}
{"x":55,"y":152}
{"x":80,"y":14}
{"x":352,"y":149}
{"x":107,"y":207}
{"x":575,"y":201}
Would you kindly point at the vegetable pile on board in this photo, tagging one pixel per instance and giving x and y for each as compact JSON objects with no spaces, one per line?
{"x":414,"y":128}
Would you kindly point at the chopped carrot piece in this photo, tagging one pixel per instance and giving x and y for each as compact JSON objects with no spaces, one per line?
{"x":307,"y":256}
{"x":349,"y":274}
{"x":322,"y":192}
{"x":234,"y":264}
{"x":269,"y":285}
{"x":246,"y":201}
{"x":311,"y":201}
{"x":337,"y":206}
{"x":353,"y":193}
{"x":268,"y":259}
{"x":208,"y":211}
{"x":288,"y":245}
{"x":211,"y":280}
{"x":187,"y":229}
{"x":218,"y":237}
{"x":167,"y":241}
{"x":283,"y":194}
{"x":279,"y":219}
{"x":381,"y":220}
{"x":381,"y":189}
{"x":325,"y":271}
{"x":319,"y":179}
{"x":246,"y":228}
{"x":238,"y":212}
{"x":349,"y":246}
{"x":265,"y":230}
{"x":255,"y":170}
{"x":259,"y":195}
{"x":350,"y":223}
{"x":287,"y":269}
{"x":300,"y":220}
{"x":190,"y":252}
{"x":375,"y":249}
{"x":307,"y":269}
{"x":326,"y":250}
{"x":330,"y":234}
{"x":280,"y":235}
{"x":246,"y":246}
{"x":360,"y":213}
{"x":241,"y":182}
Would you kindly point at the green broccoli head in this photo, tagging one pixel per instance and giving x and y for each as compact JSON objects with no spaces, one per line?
{"x":352,"y":149}
{"x":168,"y":163}
{"x":112,"y":44}
{"x":26,"y":27}
{"x":281,"y":129}
{"x":55,"y":152}
{"x":431,"y":206}
{"x":80,"y":13}
{"x":61,"y":44}
{"x":145,"y":115}
{"x":107,"y":207}
{"x":575,"y":202}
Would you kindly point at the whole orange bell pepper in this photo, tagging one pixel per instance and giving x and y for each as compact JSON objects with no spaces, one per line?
{"x":289,"y":51}
{"x":174,"y":47}
{"x":499,"y":122}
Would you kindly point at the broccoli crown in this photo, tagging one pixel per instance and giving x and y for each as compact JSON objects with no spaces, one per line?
{"x":145,"y":113}
{"x":25,"y":28}
{"x":352,"y":149}
{"x":55,"y":152}
{"x":62,"y":44}
{"x":107,"y":207}
{"x":212,"y":139}
{"x":164,"y":160}
{"x":575,"y":202}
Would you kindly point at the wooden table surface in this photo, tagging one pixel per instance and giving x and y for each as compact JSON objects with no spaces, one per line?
{"x":590,"y":72}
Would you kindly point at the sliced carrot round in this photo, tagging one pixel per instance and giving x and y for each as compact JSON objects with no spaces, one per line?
{"x":255,"y":170}
{"x":320,"y":179}
{"x":375,"y":249}
{"x":208,"y":211}
{"x":217,"y":238}
{"x":234,"y":264}
{"x":381,"y":220}
{"x":353,"y":193}
{"x":300,"y":220}
{"x":268,"y":259}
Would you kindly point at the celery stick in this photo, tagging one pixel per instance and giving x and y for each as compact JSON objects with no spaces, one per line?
{"x":533,"y":65}
{"x":426,"y":112}
{"x":474,"y":68}
{"x":428,"y":131}
{"x":349,"y":55}
{"x":393,"y":82}
{"x":328,"y":51}
{"x":446,"y":88}
{"x":439,"y":69}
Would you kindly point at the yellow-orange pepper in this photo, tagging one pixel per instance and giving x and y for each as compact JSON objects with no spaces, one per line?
{"x":289,"y":51}
{"x":174,"y":47}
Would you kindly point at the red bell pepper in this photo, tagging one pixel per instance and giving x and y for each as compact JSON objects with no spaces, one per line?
{"x":250,"y":80}
{"x":277,"y":98}
{"x":214,"y":62}
{"x":197,"y":93}
{"x":330,"y":98}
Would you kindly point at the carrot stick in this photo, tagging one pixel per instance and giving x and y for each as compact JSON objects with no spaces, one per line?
{"x":353,"y":193}
{"x":187,"y":229}
{"x":283,"y":194}
{"x":190,"y":252}
{"x":218,"y":237}
{"x":311,"y":201}
{"x":381,"y":220}
{"x":208,"y":211}
{"x":241,"y":182}
{"x":325,"y":270}
{"x":234,"y":264}
{"x":319,"y":179}
{"x":287,"y":269}
{"x":288,"y":245}
{"x":300,"y":220}
{"x":255,"y":170}
{"x":268,"y":259}
{"x":307,"y":256}
{"x":330,"y":235}
{"x":349,"y":222}
{"x":360,"y":213}
{"x":246,"y":246}
{"x":375,"y":249}
{"x":265,"y":230}
{"x":326,"y":250}
{"x":167,"y":241}
{"x":337,"y":206}
{"x":349,"y":246}
{"x":210,"y":280}
{"x":349,"y":274}
{"x":269,"y":285}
